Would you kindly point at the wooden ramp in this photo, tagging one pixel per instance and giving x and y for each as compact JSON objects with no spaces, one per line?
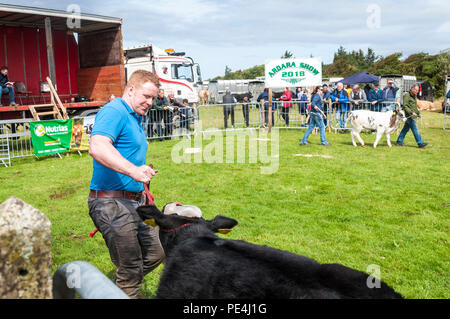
{"x":50,"y":109}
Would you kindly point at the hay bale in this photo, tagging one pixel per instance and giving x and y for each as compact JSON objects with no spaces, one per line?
{"x":425,"y":105}
{"x":25,"y":251}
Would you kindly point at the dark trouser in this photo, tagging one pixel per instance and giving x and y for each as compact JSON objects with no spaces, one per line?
{"x":246,"y":114}
{"x":410,"y":124}
{"x":154,"y":118}
{"x":266,"y":116}
{"x":325,"y":110}
{"x":302,"y":108}
{"x":134,"y":247}
{"x":227,"y":110}
{"x":157,"y":117}
{"x":375,"y":107}
{"x":167,"y":118}
{"x":184,"y":118}
{"x":285,"y":114}
{"x":10,"y":91}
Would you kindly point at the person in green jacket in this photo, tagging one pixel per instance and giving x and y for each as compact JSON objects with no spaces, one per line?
{"x":411,"y":112}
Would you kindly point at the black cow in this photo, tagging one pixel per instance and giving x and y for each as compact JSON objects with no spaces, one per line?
{"x":200,"y":264}
{"x":240,"y":96}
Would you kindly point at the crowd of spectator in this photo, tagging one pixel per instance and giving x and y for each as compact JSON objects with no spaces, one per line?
{"x":167,"y":115}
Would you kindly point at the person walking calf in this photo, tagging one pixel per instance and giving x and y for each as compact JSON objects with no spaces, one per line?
{"x":411,"y":112}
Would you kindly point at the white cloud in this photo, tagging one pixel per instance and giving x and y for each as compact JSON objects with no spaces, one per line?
{"x":444,"y":28}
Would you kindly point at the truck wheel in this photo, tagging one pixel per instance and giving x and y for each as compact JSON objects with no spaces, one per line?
{"x":88,"y":113}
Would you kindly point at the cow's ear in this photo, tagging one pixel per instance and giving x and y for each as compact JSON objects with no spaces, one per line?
{"x":150,"y":214}
{"x":221,"y":224}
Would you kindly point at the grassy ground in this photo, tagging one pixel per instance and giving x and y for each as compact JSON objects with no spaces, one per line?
{"x":362,"y":206}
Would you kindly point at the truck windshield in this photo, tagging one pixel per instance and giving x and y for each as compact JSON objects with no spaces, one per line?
{"x":182,"y":72}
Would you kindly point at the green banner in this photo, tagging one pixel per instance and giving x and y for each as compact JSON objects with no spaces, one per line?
{"x":51,"y":137}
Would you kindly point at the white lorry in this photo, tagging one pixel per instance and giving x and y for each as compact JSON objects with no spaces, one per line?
{"x":178,"y":74}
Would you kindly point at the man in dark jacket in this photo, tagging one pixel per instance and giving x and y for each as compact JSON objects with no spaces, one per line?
{"x":411,"y":112}
{"x":6,"y":86}
{"x":340,"y":96}
{"x":265,"y":96}
{"x":326,"y":101}
{"x":159,"y":105}
{"x":390,"y":94}
{"x":228,"y":108}
{"x":375,"y":98}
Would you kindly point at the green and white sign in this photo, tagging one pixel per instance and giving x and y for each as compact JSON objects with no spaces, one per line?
{"x":293,"y":72}
{"x":51,"y":137}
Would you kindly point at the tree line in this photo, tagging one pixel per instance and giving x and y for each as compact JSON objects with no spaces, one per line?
{"x":426,"y":67}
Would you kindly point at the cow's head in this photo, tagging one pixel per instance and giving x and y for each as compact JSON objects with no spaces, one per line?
{"x":178,"y":222}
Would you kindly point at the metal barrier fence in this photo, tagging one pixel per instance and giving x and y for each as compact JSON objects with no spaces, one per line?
{"x":338,"y":112}
{"x":446,"y":114}
{"x":225,"y":116}
{"x":253,"y":115}
{"x":15,"y":136}
{"x":85,"y":279}
{"x":171,"y":123}
{"x":5,"y":157}
{"x":15,"y":139}
{"x":288,"y":114}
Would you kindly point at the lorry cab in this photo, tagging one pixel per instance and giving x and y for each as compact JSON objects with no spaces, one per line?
{"x":178,"y":74}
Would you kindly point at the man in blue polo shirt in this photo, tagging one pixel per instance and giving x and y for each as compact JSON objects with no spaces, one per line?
{"x":119,"y":147}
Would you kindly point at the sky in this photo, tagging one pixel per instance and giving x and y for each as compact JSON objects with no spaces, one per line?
{"x":242,"y":34}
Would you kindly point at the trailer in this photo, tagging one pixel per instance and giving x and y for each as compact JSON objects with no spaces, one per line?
{"x":426,"y":91}
{"x":217,"y":88}
{"x":81,"y":53}
{"x":177,"y":74}
{"x":403,"y":82}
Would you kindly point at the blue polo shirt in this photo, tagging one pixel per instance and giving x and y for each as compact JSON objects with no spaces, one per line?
{"x":123,"y":126}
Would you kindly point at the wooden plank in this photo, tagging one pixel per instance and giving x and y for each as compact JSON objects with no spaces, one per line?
{"x":34,"y":113}
{"x":43,"y":105}
{"x":55,"y":96}
{"x":50,"y":54}
{"x":48,"y":113}
{"x":100,"y":82}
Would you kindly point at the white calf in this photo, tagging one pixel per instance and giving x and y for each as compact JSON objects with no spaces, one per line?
{"x":383,"y":122}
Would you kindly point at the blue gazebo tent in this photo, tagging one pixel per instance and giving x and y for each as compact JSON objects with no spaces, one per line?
{"x":361,"y":78}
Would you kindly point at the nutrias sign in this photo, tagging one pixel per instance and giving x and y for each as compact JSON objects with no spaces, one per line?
{"x":58,"y":136}
{"x":293,"y":72}
{"x":51,"y":137}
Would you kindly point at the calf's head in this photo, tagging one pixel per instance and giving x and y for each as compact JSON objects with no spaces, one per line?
{"x":180,"y":223}
{"x":397,"y":115}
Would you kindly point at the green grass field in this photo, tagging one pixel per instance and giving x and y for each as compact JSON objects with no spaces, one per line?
{"x":361,"y":207}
